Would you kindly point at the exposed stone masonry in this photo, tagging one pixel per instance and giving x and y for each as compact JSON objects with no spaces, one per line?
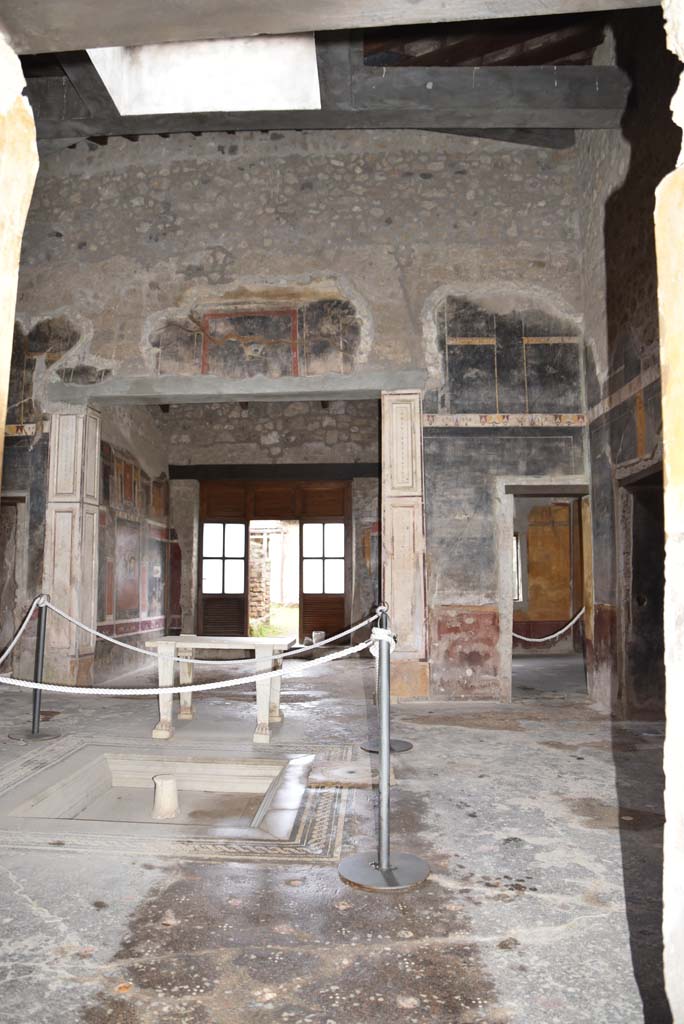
{"x":267,"y":432}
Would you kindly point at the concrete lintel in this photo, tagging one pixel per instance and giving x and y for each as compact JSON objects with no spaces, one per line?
{"x":171,"y":389}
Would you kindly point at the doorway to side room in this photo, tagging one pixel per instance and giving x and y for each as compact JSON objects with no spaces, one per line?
{"x":548,"y":587}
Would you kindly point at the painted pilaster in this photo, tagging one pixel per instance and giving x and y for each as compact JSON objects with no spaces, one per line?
{"x":71,"y":543}
{"x":403,"y":539}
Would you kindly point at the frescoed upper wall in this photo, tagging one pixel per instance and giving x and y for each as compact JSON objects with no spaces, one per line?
{"x":281,"y":263}
{"x":514,"y":360}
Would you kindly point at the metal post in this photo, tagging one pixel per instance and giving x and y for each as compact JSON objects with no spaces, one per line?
{"x":38,"y":668}
{"x":384,"y":752}
{"x":384,"y":871}
{"x":34,"y":732}
{"x":395,"y":746}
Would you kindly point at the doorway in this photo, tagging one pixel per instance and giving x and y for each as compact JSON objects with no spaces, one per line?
{"x":276,"y":557}
{"x":642,"y":676}
{"x":548,"y":587}
{"x":274,"y":577}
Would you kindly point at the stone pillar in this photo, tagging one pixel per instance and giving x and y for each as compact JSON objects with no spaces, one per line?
{"x":71,"y":543}
{"x":18,"y":169}
{"x":184,"y":519}
{"x":403,"y":539}
{"x":669,"y":232}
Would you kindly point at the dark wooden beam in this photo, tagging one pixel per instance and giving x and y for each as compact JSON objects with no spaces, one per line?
{"x":421,"y":98}
{"x":547,"y":490}
{"x":85,"y":80}
{"x":280,"y":471}
{"x":498,"y":97}
{"x":543,"y":138}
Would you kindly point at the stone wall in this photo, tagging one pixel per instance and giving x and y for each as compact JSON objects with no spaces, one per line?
{"x":618,"y":172}
{"x":257,"y":433}
{"x":330,"y":265}
{"x":181,"y":263}
{"x":259,"y":593}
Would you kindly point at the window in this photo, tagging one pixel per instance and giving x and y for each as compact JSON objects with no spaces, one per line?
{"x":323,"y":558}
{"x":517,"y":570}
{"x":223,"y":558}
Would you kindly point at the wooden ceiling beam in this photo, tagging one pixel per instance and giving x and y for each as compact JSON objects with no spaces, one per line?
{"x":356,"y":96}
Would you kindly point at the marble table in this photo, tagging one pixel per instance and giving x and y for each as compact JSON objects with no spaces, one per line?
{"x":266,"y":650}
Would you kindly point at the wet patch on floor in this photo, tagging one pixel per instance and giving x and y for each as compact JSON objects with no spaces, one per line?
{"x":597,"y":814}
{"x":494,"y":722}
{"x":246,"y":944}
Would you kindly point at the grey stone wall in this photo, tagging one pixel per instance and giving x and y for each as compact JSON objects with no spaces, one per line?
{"x":178,"y":267}
{"x":124,"y":240}
{"x":270,"y":432}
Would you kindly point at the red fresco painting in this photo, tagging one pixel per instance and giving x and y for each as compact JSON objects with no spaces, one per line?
{"x":127,"y":569}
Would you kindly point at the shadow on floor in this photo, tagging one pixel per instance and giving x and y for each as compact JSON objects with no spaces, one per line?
{"x":638,"y":758}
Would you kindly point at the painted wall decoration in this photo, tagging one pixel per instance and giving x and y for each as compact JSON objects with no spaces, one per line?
{"x":524,"y":361}
{"x":134,"y":547}
{"x":48,"y":339}
{"x":304,"y":339}
{"x":127,"y":569}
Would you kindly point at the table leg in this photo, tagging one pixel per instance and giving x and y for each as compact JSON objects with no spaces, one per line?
{"x":275,"y":713}
{"x":164,"y":728}
{"x":185,"y":713}
{"x":262,"y":733}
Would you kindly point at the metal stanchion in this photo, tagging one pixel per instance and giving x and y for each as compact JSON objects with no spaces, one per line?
{"x":396,"y":746}
{"x":384,"y":871}
{"x":34,"y":732}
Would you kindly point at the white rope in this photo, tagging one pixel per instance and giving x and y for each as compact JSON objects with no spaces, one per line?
{"x":157,"y":691}
{"x":37,"y":601}
{"x":377,"y":634}
{"x":201,"y":661}
{"x":559,"y":632}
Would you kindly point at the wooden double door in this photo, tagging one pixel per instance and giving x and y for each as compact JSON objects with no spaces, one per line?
{"x":322,"y":509}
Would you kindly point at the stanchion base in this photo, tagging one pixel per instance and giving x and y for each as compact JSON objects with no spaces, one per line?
{"x":26,"y":734}
{"x":361,"y":870}
{"x":396,"y":746}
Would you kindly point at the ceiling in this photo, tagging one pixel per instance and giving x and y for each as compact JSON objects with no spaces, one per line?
{"x":42,"y":26}
{"x":524,"y":79}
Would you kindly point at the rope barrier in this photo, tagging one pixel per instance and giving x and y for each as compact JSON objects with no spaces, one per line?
{"x":156,"y":691}
{"x":36,"y":603}
{"x":198,"y":661}
{"x":559,"y":632}
{"x":42,"y":601}
{"x":378,"y":634}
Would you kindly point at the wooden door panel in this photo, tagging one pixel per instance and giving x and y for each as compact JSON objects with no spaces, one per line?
{"x":322,"y":611}
{"x":223,"y":615}
{"x":325,"y":498}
